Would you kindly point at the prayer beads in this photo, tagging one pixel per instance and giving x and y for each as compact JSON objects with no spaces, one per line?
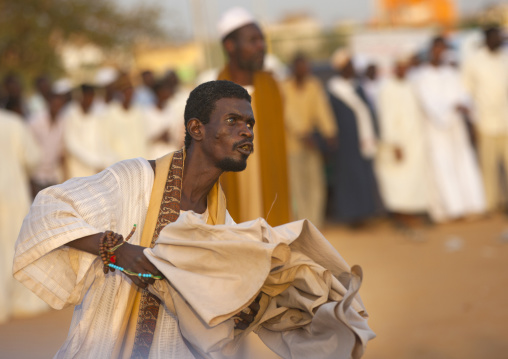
{"x":142,"y":275}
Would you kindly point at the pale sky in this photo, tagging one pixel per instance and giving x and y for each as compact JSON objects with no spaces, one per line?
{"x":179,"y":13}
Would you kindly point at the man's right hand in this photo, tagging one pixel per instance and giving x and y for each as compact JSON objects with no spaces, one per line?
{"x":131,"y":257}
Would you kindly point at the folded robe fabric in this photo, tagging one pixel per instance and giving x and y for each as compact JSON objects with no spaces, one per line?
{"x":310,"y":305}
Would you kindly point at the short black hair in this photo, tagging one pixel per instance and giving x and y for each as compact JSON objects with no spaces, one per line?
{"x":202,"y":99}
{"x":438,"y":40}
{"x":87,"y":88}
{"x":490,"y":30}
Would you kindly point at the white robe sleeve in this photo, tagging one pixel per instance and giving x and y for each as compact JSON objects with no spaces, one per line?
{"x":77,"y":208}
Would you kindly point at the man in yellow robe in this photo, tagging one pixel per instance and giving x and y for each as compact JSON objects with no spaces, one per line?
{"x":262,"y":189}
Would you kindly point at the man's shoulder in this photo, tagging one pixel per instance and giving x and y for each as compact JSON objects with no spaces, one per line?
{"x":267,"y":76}
{"x":133,"y":167}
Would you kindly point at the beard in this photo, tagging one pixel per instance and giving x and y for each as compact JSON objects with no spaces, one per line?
{"x":228,"y":164}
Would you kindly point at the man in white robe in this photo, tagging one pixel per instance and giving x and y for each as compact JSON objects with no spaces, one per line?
{"x":164,"y":122}
{"x":19,"y":155}
{"x":88,"y":151}
{"x":56,"y":252}
{"x":126,"y":132}
{"x":401,"y":161}
{"x":486,"y":77}
{"x":457,"y":188}
{"x":48,"y":130}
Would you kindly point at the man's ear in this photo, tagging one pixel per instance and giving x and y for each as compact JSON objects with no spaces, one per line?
{"x":229,"y":46}
{"x":195,"y":129}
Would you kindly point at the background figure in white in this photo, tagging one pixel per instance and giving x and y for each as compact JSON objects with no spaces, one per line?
{"x":126,"y":132}
{"x":105,"y":82}
{"x":456,"y":180}
{"x":19,"y":155}
{"x":48,"y":129}
{"x":308,"y":113}
{"x":144,"y":95}
{"x":486,"y":77}
{"x":88,"y":151}
{"x":401,"y":161}
{"x":166,"y":131}
{"x":38,"y":101}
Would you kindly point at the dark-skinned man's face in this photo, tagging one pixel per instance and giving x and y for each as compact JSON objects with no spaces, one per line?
{"x":230,"y":133}
{"x":249,"y":48}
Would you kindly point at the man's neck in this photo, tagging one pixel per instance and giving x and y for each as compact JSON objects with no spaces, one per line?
{"x":240,"y":76}
{"x":199,"y":177}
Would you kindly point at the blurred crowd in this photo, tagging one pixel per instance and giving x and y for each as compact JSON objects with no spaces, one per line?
{"x":424,"y":143}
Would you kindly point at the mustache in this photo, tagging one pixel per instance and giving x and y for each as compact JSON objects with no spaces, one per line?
{"x":243,"y":142}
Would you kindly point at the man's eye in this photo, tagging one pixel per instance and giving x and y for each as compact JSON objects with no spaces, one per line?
{"x":230,"y":120}
{"x":249,"y":125}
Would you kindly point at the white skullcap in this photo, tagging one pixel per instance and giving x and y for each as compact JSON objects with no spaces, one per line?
{"x":106,"y":76}
{"x":361,"y":62}
{"x":340,"y":58}
{"x":62,"y":86}
{"x":234,"y":19}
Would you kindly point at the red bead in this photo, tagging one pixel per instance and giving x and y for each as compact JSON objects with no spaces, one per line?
{"x":112,"y":259}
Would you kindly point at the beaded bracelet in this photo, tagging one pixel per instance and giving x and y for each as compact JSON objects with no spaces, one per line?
{"x":142,"y":275}
{"x":108,"y":244}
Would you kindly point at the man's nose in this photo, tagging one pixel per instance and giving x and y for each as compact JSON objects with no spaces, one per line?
{"x":246,"y":131}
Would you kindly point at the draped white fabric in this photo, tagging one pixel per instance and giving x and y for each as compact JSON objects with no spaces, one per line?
{"x":309,"y":308}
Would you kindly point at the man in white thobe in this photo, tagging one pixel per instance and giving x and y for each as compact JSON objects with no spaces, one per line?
{"x":164,"y":122}
{"x":402,"y":155}
{"x":456,"y":179}
{"x":486,"y":78}
{"x":48,"y":130}
{"x":88,"y":151}
{"x":126,"y":132}
{"x":19,"y":155}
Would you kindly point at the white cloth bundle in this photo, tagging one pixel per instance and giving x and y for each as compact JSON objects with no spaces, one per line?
{"x":309,"y":305}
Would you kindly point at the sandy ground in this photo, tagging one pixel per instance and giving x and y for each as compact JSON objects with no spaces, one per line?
{"x":442,"y":294}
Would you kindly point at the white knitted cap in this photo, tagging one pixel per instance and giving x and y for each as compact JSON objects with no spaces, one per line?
{"x":234,"y":19}
{"x":106,"y":76}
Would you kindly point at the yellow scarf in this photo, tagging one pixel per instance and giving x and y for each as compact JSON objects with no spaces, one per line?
{"x":216,"y":203}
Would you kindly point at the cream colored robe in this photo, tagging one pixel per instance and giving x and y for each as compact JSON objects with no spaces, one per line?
{"x":114,"y":199}
{"x":456,"y":181}
{"x":309,"y":308}
{"x":19,"y":156}
{"x":87,"y":147}
{"x":404,"y":185}
{"x":126,"y":132}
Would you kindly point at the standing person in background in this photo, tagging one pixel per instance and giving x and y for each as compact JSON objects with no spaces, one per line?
{"x":144,"y":94}
{"x":48,"y":130}
{"x":262,"y":190}
{"x":166,"y":132}
{"x":457,"y":188}
{"x":354,"y":197}
{"x":88,"y":151}
{"x":19,"y":155}
{"x":38,"y":101}
{"x":126,"y":132}
{"x":368,"y":90}
{"x":401,"y":161}
{"x":308,"y":113}
{"x":486,"y":78}
{"x":13,"y":95}
{"x":105,"y":80}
